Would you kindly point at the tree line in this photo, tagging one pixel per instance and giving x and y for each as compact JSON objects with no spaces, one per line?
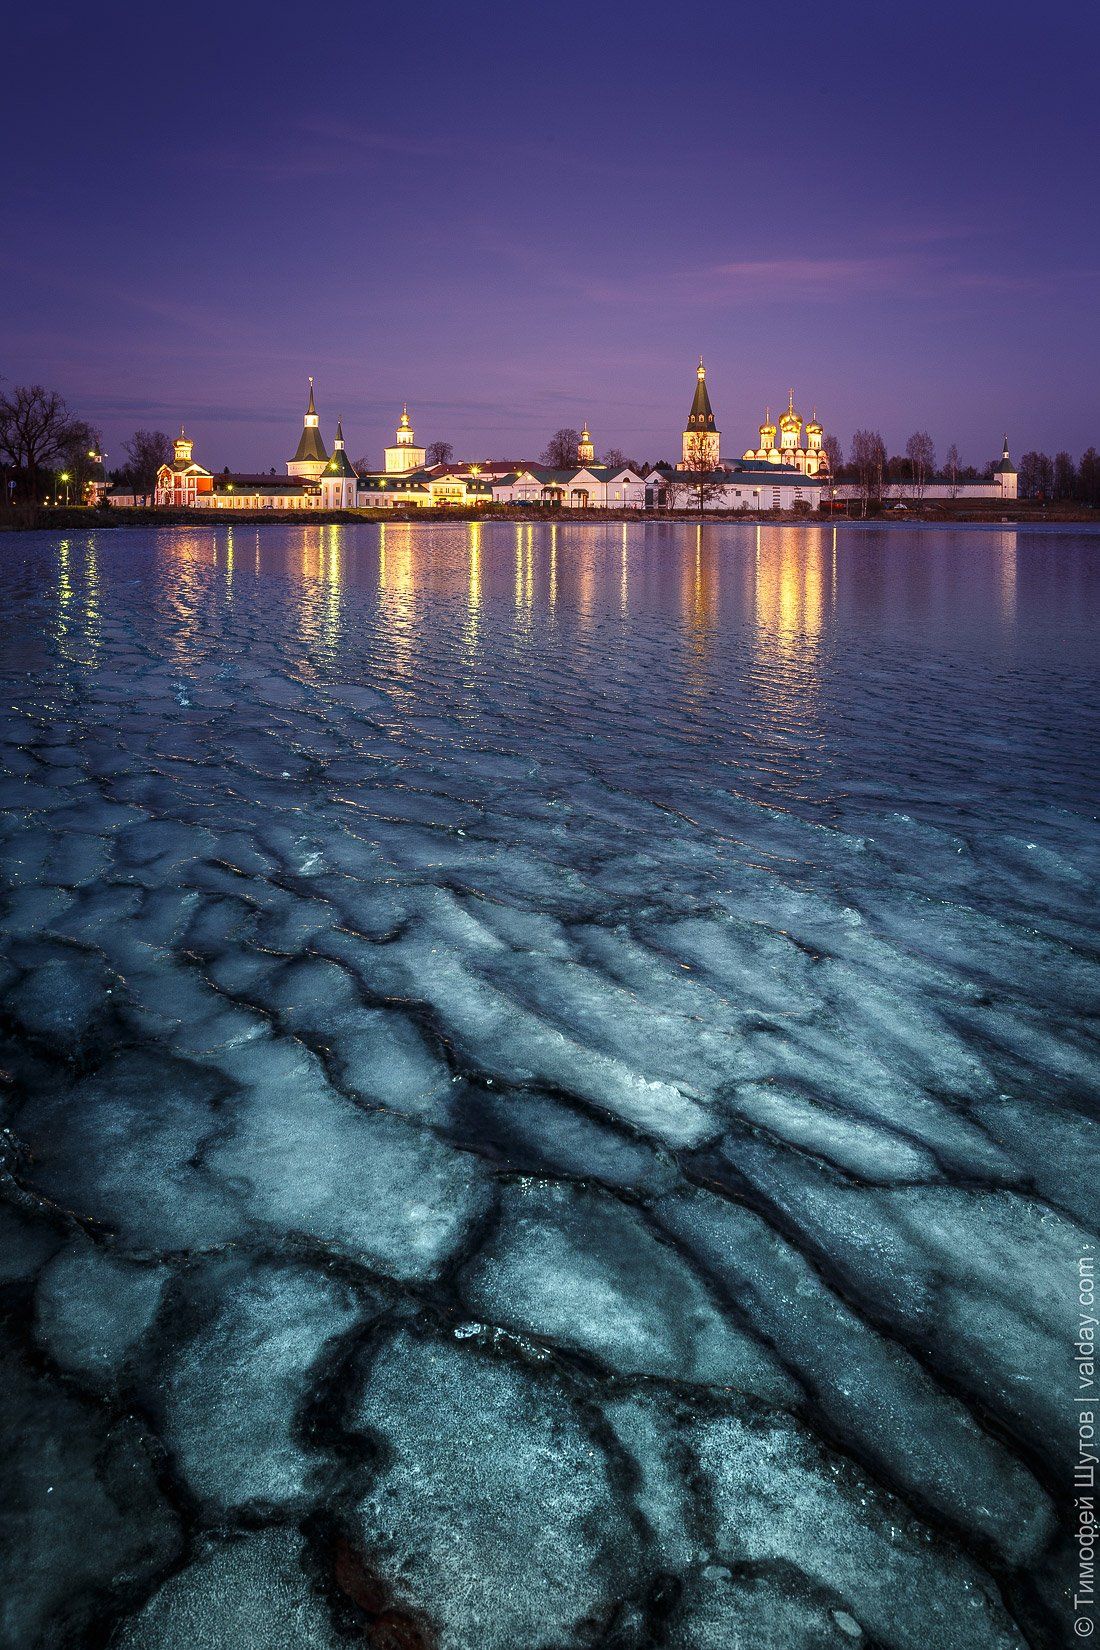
{"x":1059,"y":478}
{"x":48,"y":454}
{"x":1038,"y":476}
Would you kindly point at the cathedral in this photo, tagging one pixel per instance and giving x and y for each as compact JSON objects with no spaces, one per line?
{"x":811,"y":459}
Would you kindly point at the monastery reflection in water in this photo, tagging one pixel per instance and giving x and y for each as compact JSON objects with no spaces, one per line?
{"x":785,"y":586}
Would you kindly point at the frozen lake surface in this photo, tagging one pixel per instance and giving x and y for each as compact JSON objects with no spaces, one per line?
{"x":550,"y":1085}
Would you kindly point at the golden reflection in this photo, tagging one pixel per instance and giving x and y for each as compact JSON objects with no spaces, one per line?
{"x":525,"y":568}
{"x":699,"y":588}
{"x":553,"y":566}
{"x":795,"y":582}
{"x":699,"y":605}
{"x":64,"y":588}
{"x":397,"y":605}
{"x":472,"y":633}
{"x":332,"y":579}
{"x":586,"y":587}
{"x":311,"y":551}
{"x":78,"y":602}
{"x":624,"y":580}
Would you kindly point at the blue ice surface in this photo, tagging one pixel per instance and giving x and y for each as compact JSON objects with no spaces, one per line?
{"x":550,"y":1083}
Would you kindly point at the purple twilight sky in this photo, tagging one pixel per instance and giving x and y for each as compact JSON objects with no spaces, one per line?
{"x":522,"y":217}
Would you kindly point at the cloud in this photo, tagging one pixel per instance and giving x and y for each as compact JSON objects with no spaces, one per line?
{"x":813,"y":279}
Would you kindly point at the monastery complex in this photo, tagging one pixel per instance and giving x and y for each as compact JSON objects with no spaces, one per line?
{"x":788,"y":470}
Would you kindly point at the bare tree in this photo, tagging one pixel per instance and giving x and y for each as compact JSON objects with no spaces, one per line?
{"x":36,"y":429}
{"x":1065,"y":476}
{"x":146,"y":451}
{"x":920,"y":450}
{"x":1036,"y":476}
{"x":561,"y":450}
{"x":833,"y":454}
{"x":951,"y":469}
{"x":830,"y":446}
{"x":869,"y":463}
{"x":617,"y":459}
{"x":362,"y":466}
{"x":703,"y":481}
{"x":439,"y":452}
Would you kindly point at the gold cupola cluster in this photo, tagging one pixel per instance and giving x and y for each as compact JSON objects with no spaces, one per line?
{"x":809,"y":457}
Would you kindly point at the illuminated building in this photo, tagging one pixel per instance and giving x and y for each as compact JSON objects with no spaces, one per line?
{"x":810,"y":458}
{"x":702,"y":438}
{"x":317,"y":480}
{"x":404,"y":455}
{"x":767,"y":478}
{"x":339,"y":482}
{"x":183,"y":482}
{"x":588,"y":487}
{"x":308,"y":463}
{"x":735,"y":487}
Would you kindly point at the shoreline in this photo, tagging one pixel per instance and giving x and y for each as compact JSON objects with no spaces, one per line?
{"x":62,"y":519}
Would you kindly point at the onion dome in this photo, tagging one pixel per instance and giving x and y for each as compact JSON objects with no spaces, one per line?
{"x":790,"y":420}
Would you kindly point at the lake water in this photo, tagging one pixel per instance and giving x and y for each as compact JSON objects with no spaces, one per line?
{"x":550,"y":1082}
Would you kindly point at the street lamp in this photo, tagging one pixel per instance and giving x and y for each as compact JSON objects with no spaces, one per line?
{"x":64,"y":476}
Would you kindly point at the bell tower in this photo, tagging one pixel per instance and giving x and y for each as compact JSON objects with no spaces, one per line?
{"x":404,"y":455}
{"x":308,"y":463}
{"x":586,"y":452}
{"x":702,"y":438}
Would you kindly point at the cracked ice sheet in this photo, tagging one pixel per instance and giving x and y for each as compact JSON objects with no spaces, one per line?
{"x":616,"y":1060}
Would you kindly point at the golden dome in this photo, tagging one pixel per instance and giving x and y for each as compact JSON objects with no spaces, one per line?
{"x":790,"y":420}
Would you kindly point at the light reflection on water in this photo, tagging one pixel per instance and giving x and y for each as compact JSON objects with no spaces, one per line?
{"x":792,"y":658}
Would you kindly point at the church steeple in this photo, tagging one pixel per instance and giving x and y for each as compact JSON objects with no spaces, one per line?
{"x":339,"y":471}
{"x":586,"y":452}
{"x":701,"y":435}
{"x":701,"y":416}
{"x":311,"y":457}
